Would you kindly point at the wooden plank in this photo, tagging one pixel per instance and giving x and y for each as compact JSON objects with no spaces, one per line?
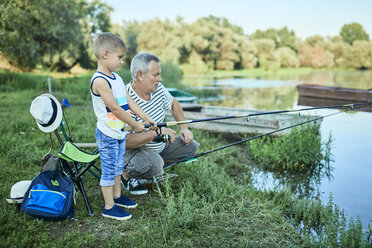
{"x":255,"y":124}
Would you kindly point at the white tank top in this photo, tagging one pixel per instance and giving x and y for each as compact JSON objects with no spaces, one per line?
{"x":107,"y":122}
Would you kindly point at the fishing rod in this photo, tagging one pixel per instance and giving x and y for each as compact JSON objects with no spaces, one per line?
{"x":174,"y":123}
{"x":194,"y":157}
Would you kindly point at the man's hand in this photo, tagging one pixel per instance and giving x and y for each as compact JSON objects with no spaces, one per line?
{"x":171,"y":133}
{"x":186,"y":135}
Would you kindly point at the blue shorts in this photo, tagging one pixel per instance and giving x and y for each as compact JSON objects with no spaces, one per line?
{"x":111,"y":152}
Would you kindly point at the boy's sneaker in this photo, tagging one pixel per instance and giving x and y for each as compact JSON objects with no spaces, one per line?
{"x":122,"y":201}
{"x":116,"y":213}
{"x":134,"y":187}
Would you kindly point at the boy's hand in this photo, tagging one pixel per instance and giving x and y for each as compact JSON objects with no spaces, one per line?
{"x":151,"y":121}
{"x":139,"y":127}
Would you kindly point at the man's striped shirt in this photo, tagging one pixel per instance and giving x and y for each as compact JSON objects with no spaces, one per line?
{"x":161,"y":100}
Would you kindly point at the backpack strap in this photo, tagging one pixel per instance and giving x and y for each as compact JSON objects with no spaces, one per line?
{"x":45,"y":158}
{"x":58,"y":171}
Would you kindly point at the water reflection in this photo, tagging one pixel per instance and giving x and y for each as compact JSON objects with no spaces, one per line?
{"x":348,"y":178}
{"x":270,"y":92}
{"x":304,"y":183}
{"x":266,"y":98}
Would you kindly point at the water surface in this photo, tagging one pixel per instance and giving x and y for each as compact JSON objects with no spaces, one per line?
{"x":349,"y":177}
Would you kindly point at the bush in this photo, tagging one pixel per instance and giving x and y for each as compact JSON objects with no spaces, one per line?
{"x":171,"y":74}
{"x":287,"y":57}
{"x":249,"y":61}
{"x":13,"y":81}
{"x":269,"y":63}
{"x":357,"y":56}
{"x":302,"y":148}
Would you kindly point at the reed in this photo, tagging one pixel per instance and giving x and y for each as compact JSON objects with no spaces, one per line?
{"x":301,"y":149}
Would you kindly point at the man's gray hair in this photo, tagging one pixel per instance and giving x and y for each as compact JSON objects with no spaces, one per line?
{"x":141,"y":62}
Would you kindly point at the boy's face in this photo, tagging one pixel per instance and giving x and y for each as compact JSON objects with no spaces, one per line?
{"x":115,"y":59}
{"x":153,"y":77}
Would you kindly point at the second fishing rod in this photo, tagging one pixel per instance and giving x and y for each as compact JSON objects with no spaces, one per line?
{"x":174,"y":123}
{"x":193,"y":158}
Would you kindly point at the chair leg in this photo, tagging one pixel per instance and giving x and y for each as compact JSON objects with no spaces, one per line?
{"x":157,"y":186}
{"x":80,"y":186}
{"x":78,"y":183}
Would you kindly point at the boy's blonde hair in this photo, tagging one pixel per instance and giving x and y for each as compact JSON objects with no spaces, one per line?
{"x":108,"y":41}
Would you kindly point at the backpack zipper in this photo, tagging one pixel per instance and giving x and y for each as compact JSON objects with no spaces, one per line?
{"x":43,"y":190}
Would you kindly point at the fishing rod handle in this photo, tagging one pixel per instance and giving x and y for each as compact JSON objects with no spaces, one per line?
{"x":130,"y":128}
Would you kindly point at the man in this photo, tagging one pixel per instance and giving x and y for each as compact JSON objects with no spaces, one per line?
{"x":144,"y":157}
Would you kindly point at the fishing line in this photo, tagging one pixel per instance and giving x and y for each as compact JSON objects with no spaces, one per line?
{"x":194,"y":157}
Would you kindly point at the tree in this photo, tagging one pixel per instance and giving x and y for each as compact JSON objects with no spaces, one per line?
{"x":164,"y":40}
{"x":315,"y":56}
{"x":287,"y":57}
{"x":248,"y":53}
{"x":282,"y":37}
{"x":336,"y":45}
{"x":128,"y":31}
{"x":265,"y":52}
{"x":357,"y":56}
{"x":352,"y":32}
{"x":55,"y":34}
{"x":215,"y":40}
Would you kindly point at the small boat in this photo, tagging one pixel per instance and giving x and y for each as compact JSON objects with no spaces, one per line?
{"x":252,"y":125}
{"x":325,"y":92}
{"x":182,"y":96}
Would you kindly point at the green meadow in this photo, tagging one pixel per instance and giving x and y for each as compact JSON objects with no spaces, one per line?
{"x":212,"y":203}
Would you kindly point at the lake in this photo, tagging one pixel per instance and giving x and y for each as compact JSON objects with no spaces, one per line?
{"x":349,"y":176}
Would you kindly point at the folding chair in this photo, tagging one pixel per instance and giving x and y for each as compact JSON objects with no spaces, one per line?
{"x":67,"y":136}
{"x":75,"y":161}
{"x":73,"y":158}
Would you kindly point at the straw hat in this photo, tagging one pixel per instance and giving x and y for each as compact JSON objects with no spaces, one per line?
{"x":47,"y":112}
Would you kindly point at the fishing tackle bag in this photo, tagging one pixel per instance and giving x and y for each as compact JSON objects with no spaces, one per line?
{"x":50,"y":196}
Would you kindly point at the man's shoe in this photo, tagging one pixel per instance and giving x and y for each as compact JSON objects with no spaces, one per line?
{"x":134,"y":187}
{"x":122,"y":201}
{"x":116,"y":213}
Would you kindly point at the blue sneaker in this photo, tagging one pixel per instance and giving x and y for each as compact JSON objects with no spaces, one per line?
{"x":122,"y":201}
{"x":116,"y":213}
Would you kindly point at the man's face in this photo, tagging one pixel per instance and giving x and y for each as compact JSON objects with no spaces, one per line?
{"x":152,"y":78}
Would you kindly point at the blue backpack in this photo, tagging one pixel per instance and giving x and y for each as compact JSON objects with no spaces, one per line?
{"x":50,"y":196}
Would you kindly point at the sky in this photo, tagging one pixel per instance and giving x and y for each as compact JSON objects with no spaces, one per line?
{"x":305,"y":17}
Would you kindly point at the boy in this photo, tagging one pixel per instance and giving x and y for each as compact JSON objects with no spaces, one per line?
{"x":111,"y":104}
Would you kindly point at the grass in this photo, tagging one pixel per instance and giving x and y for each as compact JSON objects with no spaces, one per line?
{"x":301,"y":149}
{"x":211,"y":203}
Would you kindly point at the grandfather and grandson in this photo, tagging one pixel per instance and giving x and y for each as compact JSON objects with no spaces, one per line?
{"x":111,"y":104}
{"x":134,"y":155}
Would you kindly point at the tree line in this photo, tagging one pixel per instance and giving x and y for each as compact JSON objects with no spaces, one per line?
{"x":58,"y":35}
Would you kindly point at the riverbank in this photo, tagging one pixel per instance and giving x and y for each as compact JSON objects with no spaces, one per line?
{"x":211,"y":203}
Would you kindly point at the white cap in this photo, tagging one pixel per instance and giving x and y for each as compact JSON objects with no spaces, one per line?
{"x":18,"y":191}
